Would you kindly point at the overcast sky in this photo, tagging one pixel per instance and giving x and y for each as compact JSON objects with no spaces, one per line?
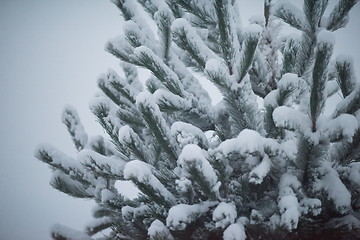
{"x":51,"y":53}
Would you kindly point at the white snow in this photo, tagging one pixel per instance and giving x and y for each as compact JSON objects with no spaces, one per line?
{"x":163,"y":96}
{"x":181,"y":24}
{"x":248,"y":141}
{"x":290,"y":10}
{"x":336,"y":190}
{"x":235,"y":231}
{"x":181,"y":215}
{"x":344,"y":125}
{"x":290,"y":118}
{"x":58,"y":158}
{"x":310,"y":205}
{"x":260,"y":171}
{"x":171,"y":77}
{"x":256,"y":217}
{"x":158,"y":229}
{"x":93,"y":224}
{"x":186,"y":133}
{"x":112,"y":163}
{"x":288,"y":202}
{"x":192,"y":155}
{"x":133,"y":212}
{"x":224,"y":215}
{"x":70,"y":115}
{"x":354,"y":173}
{"x":58,"y":230}
{"x":107,"y":195}
{"x":183,"y":185}
{"x":127,"y":189}
{"x":142,"y":172}
{"x":253,"y":29}
{"x":326,"y":37}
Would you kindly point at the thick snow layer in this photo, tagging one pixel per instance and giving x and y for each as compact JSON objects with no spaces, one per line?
{"x":181,"y":215}
{"x":291,"y":118}
{"x":260,"y":171}
{"x":344,"y":125}
{"x":325,"y":37}
{"x":288,"y":203}
{"x":336,"y":190}
{"x":186,"y":133}
{"x":125,"y":133}
{"x":142,"y":172}
{"x":192,"y":155}
{"x":61,"y":231}
{"x":289,"y":209}
{"x":353,"y":173}
{"x":289,"y":180}
{"x":183,"y":185}
{"x":132,"y":212}
{"x":248,"y":141}
{"x":224,"y":215}
{"x":158,"y":229}
{"x":235,"y":231}
{"x":310,"y":206}
{"x":253,"y":29}
{"x":289,"y":149}
{"x":127,"y":189}
{"x":139,"y":170}
{"x":107,"y":195}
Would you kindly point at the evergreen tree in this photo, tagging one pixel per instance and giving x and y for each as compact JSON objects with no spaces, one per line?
{"x":236,"y":170}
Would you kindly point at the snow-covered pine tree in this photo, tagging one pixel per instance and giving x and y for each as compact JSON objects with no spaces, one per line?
{"x":237,"y":170}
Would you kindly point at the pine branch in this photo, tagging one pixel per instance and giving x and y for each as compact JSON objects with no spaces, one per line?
{"x":249,"y":46}
{"x":188,"y":40}
{"x":64,"y":183}
{"x":345,"y":75}
{"x":157,"y":125}
{"x":339,"y":15}
{"x":322,"y":57}
{"x":223,"y":21}
{"x":164,"y":19}
{"x":120,"y":4}
{"x":290,"y":53}
{"x":71,"y":119}
{"x":152,"y":62}
{"x":205,"y":18}
{"x":290,"y":14}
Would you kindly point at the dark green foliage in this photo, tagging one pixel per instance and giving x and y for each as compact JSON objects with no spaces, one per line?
{"x":247,"y":55}
{"x":264,"y":162}
{"x":339,"y":16}
{"x":317,"y":96}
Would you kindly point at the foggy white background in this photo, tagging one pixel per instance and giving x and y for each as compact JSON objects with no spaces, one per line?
{"x":51,"y":53}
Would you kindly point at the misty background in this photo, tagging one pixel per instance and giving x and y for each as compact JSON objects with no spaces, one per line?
{"x":51,"y":53}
